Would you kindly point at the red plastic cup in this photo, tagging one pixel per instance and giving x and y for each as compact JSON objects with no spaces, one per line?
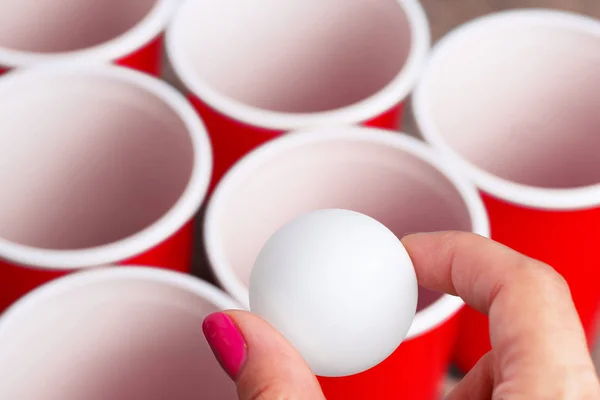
{"x":127,"y":33}
{"x":98,"y":165}
{"x":386,"y":175}
{"x":257,"y":69}
{"x":113,"y":333}
{"x":512,"y":100}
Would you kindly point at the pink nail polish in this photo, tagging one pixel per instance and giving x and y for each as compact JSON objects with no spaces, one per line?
{"x":226,"y":342}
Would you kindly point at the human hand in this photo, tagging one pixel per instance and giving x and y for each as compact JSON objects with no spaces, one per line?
{"x":538,"y":345}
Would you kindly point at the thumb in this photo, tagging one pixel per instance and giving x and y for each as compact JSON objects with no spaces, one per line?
{"x":263,"y":364}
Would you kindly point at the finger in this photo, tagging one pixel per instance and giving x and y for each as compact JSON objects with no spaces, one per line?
{"x":539,"y":344}
{"x":263,"y":363}
{"x":478,"y":384}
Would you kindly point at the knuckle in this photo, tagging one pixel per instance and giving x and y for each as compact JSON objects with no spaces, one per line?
{"x":543,"y":276}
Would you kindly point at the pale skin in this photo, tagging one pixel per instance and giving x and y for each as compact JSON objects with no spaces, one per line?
{"x":538,"y":344}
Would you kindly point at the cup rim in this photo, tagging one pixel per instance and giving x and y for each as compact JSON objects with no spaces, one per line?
{"x":144,"y":31}
{"x":504,"y":189}
{"x":41,"y":294}
{"x":170,"y":222}
{"x":376,"y":104}
{"x":426,"y":319}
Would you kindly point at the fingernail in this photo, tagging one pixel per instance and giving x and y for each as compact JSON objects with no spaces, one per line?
{"x":226,"y":342}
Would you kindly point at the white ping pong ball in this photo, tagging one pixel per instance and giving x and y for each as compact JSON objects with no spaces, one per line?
{"x":339,"y":286}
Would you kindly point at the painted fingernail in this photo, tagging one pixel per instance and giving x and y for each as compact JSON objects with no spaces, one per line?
{"x":226,"y":342}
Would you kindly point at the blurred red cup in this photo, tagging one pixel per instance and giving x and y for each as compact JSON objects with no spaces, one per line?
{"x":386,"y":175}
{"x":512,"y":100}
{"x":113,"y":333}
{"x":98,"y":165}
{"x":257,"y":69}
{"x":128,"y":32}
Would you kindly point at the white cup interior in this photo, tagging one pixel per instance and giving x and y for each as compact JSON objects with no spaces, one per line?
{"x":366,"y":175}
{"x":113,"y":337}
{"x":518,"y":95}
{"x":87,"y":160}
{"x":52,"y":26}
{"x":294,"y":56}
